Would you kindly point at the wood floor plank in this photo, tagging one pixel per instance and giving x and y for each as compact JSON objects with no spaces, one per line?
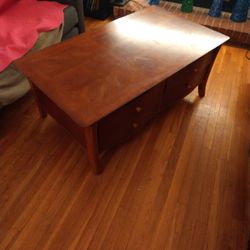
{"x":127,"y":167}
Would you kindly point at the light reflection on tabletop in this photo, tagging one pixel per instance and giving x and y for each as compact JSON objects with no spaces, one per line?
{"x":141,"y":31}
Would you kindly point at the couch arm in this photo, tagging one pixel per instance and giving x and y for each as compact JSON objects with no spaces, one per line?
{"x":78,"y":4}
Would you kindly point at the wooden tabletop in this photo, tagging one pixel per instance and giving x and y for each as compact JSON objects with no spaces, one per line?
{"x":95,"y":73}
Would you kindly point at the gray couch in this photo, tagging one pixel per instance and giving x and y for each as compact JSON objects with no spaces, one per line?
{"x":13,"y":84}
{"x":73,"y":18}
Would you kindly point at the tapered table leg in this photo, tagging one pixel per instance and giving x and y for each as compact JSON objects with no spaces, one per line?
{"x":90,"y":135}
{"x":37,"y":96}
{"x":203,"y":84}
{"x":202,"y":88}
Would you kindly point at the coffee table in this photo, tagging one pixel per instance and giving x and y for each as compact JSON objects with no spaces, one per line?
{"x":105,"y":85}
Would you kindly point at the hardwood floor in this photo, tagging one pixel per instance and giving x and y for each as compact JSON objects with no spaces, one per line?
{"x":180,"y":184}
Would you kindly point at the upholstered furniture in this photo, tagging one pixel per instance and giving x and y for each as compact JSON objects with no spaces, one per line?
{"x":13,"y":84}
{"x":73,"y":18}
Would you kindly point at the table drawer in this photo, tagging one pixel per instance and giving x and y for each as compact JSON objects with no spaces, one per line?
{"x":183,"y":82}
{"x":123,"y":123}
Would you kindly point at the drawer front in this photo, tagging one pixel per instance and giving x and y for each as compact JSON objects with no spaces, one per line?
{"x":115,"y":128}
{"x":183,"y":82}
{"x":120,"y":125}
{"x":146,"y":107}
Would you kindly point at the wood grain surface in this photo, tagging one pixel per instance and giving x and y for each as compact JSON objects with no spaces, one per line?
{"x":97,"y":72}
{"x":181,"y":184}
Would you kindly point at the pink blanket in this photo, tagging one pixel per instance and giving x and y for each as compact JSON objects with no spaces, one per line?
{"x":20,"y":23}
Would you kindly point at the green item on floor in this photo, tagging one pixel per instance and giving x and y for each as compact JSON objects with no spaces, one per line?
{"x":187,"y":6}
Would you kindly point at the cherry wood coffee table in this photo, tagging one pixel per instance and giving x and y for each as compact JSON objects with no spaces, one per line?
{"x":106,"y":84}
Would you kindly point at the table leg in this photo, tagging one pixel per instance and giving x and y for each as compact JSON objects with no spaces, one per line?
{"x":90,"y":135}
{"x":202,"y":85}
{"x":202,"y":88}
{"x":37,"y":96}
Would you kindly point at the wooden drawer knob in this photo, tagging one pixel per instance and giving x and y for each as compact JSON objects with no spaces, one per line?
{"x":195,"y":70}
{"x":138,"y":109}
{"x":190,"y":86}
{"x":135,"y":125}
